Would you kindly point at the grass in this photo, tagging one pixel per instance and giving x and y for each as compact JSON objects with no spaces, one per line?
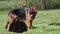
{"x":41,"y":23}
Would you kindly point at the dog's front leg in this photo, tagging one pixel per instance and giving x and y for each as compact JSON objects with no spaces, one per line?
{"x":28,"y":20}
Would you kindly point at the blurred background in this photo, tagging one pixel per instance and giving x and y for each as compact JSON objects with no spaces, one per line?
{"x":41,"y":4}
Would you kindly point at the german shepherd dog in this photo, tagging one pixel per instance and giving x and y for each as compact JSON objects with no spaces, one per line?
{"x":18,"y":20}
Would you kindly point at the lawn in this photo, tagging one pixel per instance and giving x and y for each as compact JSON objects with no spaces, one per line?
{"x":46,"y":22}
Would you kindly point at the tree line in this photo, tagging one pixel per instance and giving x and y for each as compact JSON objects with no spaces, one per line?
{"x":41,"y":4}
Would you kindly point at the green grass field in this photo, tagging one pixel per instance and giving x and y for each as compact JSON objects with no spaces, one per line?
{"x":41,"y":23}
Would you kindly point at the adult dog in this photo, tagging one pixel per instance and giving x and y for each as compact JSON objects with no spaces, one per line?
{"x":21,"y":17}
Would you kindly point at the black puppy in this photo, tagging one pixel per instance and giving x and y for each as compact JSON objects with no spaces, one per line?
{"x":18,"y":26}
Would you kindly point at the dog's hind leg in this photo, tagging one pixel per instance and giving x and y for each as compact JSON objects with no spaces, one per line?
{"x":11,"y":17}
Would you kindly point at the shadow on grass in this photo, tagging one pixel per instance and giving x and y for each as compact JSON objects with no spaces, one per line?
{"x":34,"y":27}
{"x":54,"y":24}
